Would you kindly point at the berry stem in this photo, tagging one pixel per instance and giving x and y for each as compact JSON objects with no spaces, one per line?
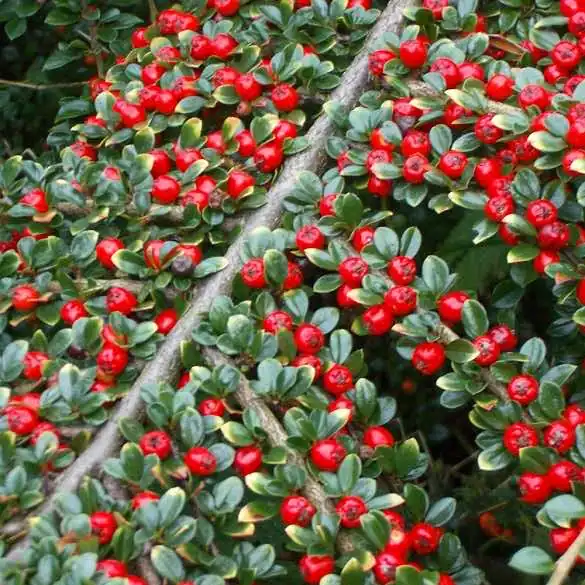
{"x":567,"y":561}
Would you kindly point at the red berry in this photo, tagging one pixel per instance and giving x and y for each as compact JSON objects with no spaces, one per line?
{"x":350,"y":509}
{"x":575,"y":137}
{"x":553,"y":236}
{"x":454,"y":113}
{"x":486,"y":170}
{"x":121,"y":300}
{"x":489,"y":350}
{"x":352,"y":270}
{"x":166,"y":320}
{"x":485,"y":131}
{"x":575,"y":414}
{"x":565,"y":55}
{"x":106,"y":249}
{"x":469,"y":70}
{"x":277,"y":321}
{"x":498,"y":207}
{"x":161,"y":163}
{"x":21,"y":420}
{"x":562,"y":538}
{"x":294,"y":277}
{"x":449,"y":71}
{"x":138,"y":38}
{"x":523,"y":389}
{"x":112,"y":360}
{"x":327,"y":454}
{"x":227,"y":7}
{"x":103,"y":525}
{"x":309,"y":338}
{"x":534,"y":488}
{"x":308,"y":360}
{"x":560,"y":436}
{"x":541,"y":212}
{"x":533,"y":95}
{"x":450,"y":306}
{"x":453,"y":164}
{"x":246,"y":85}
{"x":238,"y":182}
{"x":143,"y":498}
{"x":112,"y":568}
{"x":252,"y":273}
{"x":414,"y":169}
{"x":314,"y":567}
{"x":544,"y":259}
{"x":310,"y":236}
{"x":379,"y":142}
{"x":499,"y":87}
{"x":211,"y":407}
{"x":338,"y":379}
{"x":519,"y":435}
{"x":569,"y":158}
{"x":342,"y":403}
{"x":25,"y":298}
{"x":507,"y":235}
{"x":378,"y":320}
{"x":130,"y":114}
{"x":413,"y":53}
{"x":326,"y":205}
{"x":33,"y":363}
{"x":425,"y":538}
{"x":343,"y":297}
{"x":185,"y":157}
{"x":285,"y":97}
{"x":44,"y":427}
{"x":415,"y":142}
{"x":223,"y":45}
{"x":37,"y":199}
{"x":269,"y":157}
{"x":377,"y":60}
{"x":561,"y":475}
{"x":378,"y":436}
{"x":386,"y":565}
{"x":246,"y":143}
{"x":436,"y":7}
{"x":401,"y":300}
{"x":248,"y":459}
{"x":428,"y":357}
{"x":283,"y":130}
{"x":379,"y":187}
{"x":297,"y":510}
{"x":165,"y":189}
{"x":402,"y":269}
{"x":200,"y":461}
{"x":570,"y":7}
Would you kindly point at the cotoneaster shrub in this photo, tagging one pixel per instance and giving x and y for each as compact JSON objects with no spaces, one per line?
{"x":473,"y":118}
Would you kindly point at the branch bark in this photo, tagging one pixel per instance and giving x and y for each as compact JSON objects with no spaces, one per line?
{"x":40,"y":86}
{"x":165,"y":366}
{"x":567,"y":561}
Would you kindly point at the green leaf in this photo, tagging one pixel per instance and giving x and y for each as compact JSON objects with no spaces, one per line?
{"x":535,"y":350}
{"x":533,"y":561}
{"x":237,"y":434}
{"x":441,"y":138}
{"x":15,"y":28}
{"x":171,"y":505}
{"x":167,"y":563}
{"x":386,"y":242}
{"x":275,"y":267}
{"x":564,"y":509}
{"x":129,"y":262}
{"x":435,"y":273}
{"x":441,"y":511}
{"x":461,"y":351}
{"x":376,"y":528}
{"x":349,"y":472}
{"x":475,"y":319}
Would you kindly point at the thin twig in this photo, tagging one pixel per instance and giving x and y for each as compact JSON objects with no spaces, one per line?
{"x":152,"y":9}
{"x":567,"y":561}
{"x":40,"y":87}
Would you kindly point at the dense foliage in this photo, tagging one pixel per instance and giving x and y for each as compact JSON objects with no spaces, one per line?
{"x":422,"y":291}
